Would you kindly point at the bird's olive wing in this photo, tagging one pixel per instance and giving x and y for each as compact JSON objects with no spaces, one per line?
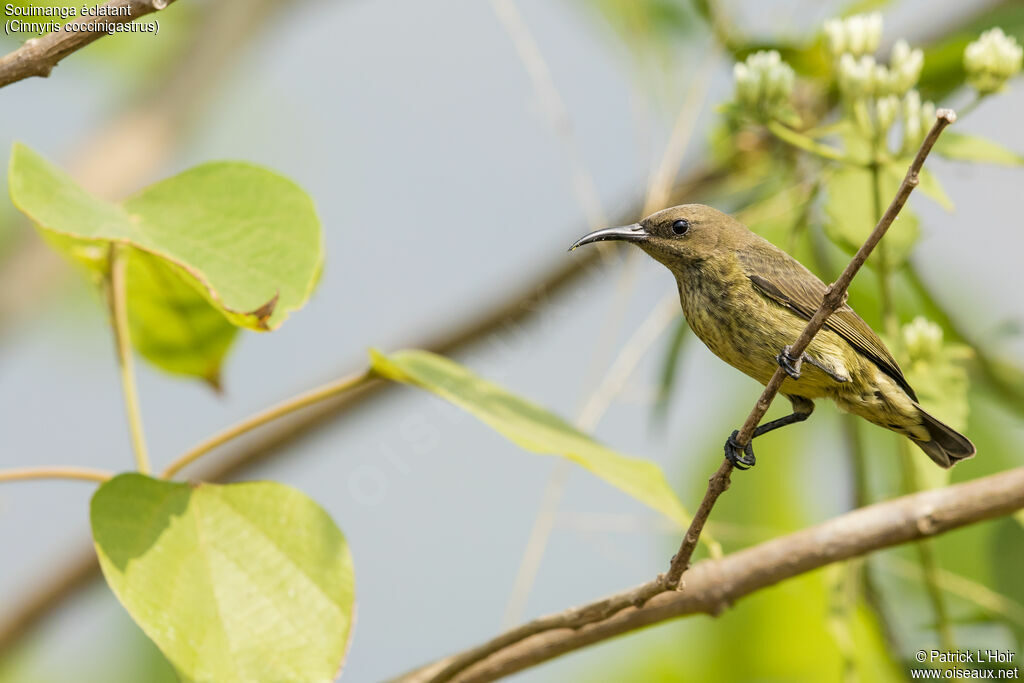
{"x":786,"y":281}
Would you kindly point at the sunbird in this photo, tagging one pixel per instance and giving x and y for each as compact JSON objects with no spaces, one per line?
{"x":747,"y":300}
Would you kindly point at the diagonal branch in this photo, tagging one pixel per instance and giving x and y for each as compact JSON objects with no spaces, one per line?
{"x":714,"y":585}
{"x":38,"y":56}
{"x":606,"y":609}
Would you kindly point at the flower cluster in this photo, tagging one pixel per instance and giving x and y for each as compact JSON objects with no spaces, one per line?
{"x":764,"y":84}
{"x":922,"y":339}
{"x":876,"y":94}
{"x":992,"y":60}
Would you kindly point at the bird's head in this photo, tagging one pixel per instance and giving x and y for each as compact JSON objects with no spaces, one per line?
{"x":678,"y":236}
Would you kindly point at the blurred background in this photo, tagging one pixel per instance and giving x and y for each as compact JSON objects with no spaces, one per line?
{"x":454,"y":150}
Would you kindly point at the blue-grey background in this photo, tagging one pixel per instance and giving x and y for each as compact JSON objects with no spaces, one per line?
{"x":440,"y":183}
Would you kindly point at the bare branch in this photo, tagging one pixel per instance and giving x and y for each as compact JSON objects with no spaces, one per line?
{"x":38,"y":56}
{"x":714,"y":585}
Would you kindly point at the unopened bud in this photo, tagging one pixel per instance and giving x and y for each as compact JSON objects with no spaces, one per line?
{"x":857,"y":35}
{"x":991,"y":60}
{"x":922,"y":339}
{"x":764,"y":83}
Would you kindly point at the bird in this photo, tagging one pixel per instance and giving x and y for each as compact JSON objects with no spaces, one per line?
{"x":747,"y":300}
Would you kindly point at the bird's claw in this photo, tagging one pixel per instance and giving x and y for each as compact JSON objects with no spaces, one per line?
{"x":788,"y":363}
{"x":741,"y":458}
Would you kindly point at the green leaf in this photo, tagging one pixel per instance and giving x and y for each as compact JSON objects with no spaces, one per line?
{"x":530,"y":426}
{"x":172,"y":325}
{"x":963,"y":147}
{"x":241,"y":582}
{"x":248,"y":238}
{"x":930,"y":187}
{"x":851,"y":214}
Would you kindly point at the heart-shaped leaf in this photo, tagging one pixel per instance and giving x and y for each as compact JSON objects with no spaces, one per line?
{"x":530,"y":426}
{"x":248,"y":238}
{"x":240,"y":582}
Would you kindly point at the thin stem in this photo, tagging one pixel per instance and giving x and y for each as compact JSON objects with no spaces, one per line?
{"x":117,"y":301}
{"x":841,"y":585}
{"x":926,"y":558}
{"x":55,"y":472}
{"x":801,"y":141}
{"x":861,"y":498}
{"x":889,"y":319}
{"x":973,"y":104}
{"x":317,"y":395}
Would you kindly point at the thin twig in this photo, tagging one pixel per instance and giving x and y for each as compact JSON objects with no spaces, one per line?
{"x":714,"y":585}
{"x":659,"y":187}
{"x":55,"y":472}
{"x":554,"y":107}
{"x":834,"y":297}
{"x":38,"y":56}
{"x":118,"y":302}
{"x":312,"y":397}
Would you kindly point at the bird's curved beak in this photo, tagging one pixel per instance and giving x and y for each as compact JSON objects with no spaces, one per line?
{"x":626,"y":233}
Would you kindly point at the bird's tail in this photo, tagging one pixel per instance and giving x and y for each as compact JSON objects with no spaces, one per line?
{"x":945,"y":445}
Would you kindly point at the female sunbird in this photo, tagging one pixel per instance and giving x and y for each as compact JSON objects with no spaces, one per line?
{"x":747,"y":300}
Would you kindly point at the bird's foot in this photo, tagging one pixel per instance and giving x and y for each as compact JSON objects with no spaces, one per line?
{"x":789,"y":364}
{"x":741,"y":458}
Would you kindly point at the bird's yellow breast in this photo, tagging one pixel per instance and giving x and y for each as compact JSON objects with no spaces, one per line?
{"x":747,"y":331}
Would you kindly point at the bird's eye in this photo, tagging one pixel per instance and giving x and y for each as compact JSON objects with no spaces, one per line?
{"x":681,"y":226}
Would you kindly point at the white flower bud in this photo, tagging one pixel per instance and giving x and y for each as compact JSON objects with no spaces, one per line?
{"x":991,"y":60}
{"x":835,"y":37}
{"x":873,"y":31}
{"x":881,"y":80}
{"x":927,"y":118}
{"x":885,"y":112}
{"x":856,"y":76}
{"x":922,"y":339}
{"x":764,"y":83}
{"x":857,"y":35}
{"x":904,"y":68}
{"x":862,"y":117}
{"x":918,"y":119}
